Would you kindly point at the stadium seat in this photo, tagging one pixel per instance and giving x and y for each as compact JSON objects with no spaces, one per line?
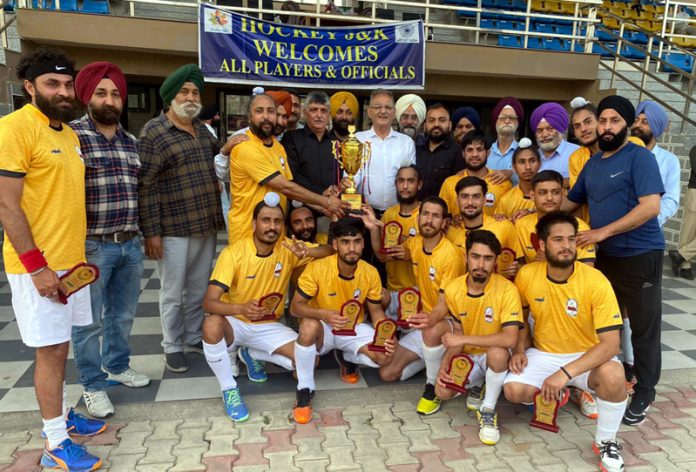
{"x":610,"y":23}
{"x":630,"y":52}
{"x":510,"y":41}
{"x":685,"y":42}
{"x":43,"y":4}
{"x":683,"y":61}
{"x":95,"y":6}
{"x":10,"y":6}
{"x":68,"y":5}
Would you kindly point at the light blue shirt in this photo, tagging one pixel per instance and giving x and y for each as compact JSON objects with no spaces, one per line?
{"x":559,"y":159}
{"x":500,"y":161}
{"x":670,"y":172}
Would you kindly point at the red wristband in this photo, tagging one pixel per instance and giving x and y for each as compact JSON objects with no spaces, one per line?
{"x":33,"y":259}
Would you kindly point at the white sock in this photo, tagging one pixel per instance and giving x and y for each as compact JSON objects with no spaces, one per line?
{"x":219,"y":361}
{"x":412,"y":369}
{"x":433,"y":358}
{"x":65,"y":401}
{"x":304,"y":362}
{"x":56,"y":432}
{"x":626,"y":344}
{"x":494,"y":385}
{"x":360,"y":358}
{"x":609,"y":415}
{"x":277,"y":359}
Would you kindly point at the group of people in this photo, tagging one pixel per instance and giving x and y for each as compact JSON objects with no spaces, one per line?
{"x":536,"y":259}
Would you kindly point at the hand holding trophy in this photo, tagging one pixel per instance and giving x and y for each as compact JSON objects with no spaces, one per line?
{"x":351,"y":155}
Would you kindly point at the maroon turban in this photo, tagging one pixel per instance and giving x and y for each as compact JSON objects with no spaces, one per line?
{"x":511,"y":102}
{"x":89,"y":77}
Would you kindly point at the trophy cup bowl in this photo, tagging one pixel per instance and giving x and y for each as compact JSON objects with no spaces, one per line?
{"x":351,"y":155}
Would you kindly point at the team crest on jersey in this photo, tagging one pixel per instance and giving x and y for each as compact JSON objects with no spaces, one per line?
{"x":278,"y":269}
{"x":431,"y":273}
{"x":488,"y":314}
{"x":357,"y":293}
{"x":572,"y":308}
{"x":282,"y":163}
{"x":490,"y":199}
{"x":412,"y":231}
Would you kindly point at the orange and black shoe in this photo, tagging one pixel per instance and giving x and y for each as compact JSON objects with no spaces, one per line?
{"x":302,"y":411}
{"x":349,"y":371}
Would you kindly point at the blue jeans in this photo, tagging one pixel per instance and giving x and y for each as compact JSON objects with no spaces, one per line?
{"x":114,"y":302}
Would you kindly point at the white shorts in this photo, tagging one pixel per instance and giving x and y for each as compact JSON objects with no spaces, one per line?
{"x":413,"y":339}
{"x":364,"y":334}
{"x":393,"y":308}
{"x":540,"y":365}
{"x":478,"y":373}
{"x":45,"y":321}
{"x":266,"y":337}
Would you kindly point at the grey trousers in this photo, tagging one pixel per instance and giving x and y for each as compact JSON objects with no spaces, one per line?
{"x":184,"y":271}
{"x":687,"y":236}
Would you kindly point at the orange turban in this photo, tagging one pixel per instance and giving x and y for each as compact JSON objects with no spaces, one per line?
{"x":281,"y":97}
{"x":339,"y":98}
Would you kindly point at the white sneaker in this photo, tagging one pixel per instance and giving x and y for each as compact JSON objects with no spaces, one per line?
{"x":488,"y":427}
{"x":474,"y":398}
{"x":98,"y":404}
{"x":233,"y":361}
{"x":586,"y":402}
{"x":130,"y":378}
{"x":609,"y":456}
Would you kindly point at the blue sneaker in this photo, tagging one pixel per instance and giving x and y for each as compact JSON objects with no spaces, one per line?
{"x":255,"y":369}
{"x":71,"y":457}
{"x":234,"y":405}
{"x":81,"y":426}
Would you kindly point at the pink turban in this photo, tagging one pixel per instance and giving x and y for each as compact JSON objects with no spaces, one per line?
{"x":89,"y":77}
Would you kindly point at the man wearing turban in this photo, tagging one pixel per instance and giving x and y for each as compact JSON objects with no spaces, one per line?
{"x":651,"y":123}
{"x":464,"y":119}
{"x":622,"y":186}
{"x":506,"y":117}
{"x":410,"y":113}
{"x":180,"y":211}
{"x":344,"y":111}
{"x":549,"y":122}
{"x":112,"y":226}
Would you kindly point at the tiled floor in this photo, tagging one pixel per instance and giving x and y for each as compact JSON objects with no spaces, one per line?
{"x":16,"y":360}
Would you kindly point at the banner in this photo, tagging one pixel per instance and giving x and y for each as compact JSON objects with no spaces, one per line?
{"x":239,"y":49}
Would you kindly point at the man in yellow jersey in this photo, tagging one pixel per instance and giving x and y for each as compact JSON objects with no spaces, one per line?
{"x":470,"y":193}
{"x":475,"y":147}
{"x":525,"y":163}
{"x":323,"y":290}
{"x":245,"y":275}
{"x":488,"y":315}
{"x":42,"y":209}
{"x":260,"y":165}
{"x":576,"y":337}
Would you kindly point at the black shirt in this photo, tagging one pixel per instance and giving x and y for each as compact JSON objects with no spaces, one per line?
{"x":311,"y":161}
{"x":435,"y":167}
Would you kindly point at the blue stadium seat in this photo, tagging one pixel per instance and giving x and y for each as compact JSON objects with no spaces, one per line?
{"x":68,"y":5}
{"x":509,"y":41}
{"x":10,"y":6}
{"x":543,"y":27}
{"x":44,"y":4}
{"x":553,"y":44}
{"x":95,"y":6}
{"x":488,"y":23}
{"x":631,"y":53}
{"x":683,"y":61}
{"x":520,"y":5}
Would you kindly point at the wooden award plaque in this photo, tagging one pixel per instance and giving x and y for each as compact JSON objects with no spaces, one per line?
{"x":459,"y":369}
{"x":506,"y":257}
{"x":270,"y":302}
{"x":384,"y":331}
{"x":351,"y":310}
{"x":545,"y":413}
{"x":391,"y":235}
{"x":76,"y":278}
{"x":409,"y":305}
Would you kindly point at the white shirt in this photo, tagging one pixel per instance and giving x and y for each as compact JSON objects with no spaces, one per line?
{"x":376,"y":180}
{"x":670,"y":173}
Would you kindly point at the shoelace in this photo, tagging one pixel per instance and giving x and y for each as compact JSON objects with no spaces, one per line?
{"x":305,"y":396}
{"x":488,"y":419}
{"x":74,"y":450}
{"x":610,"y":448}
{"x":475,"y":392}
{"x":233,"y":398}
{"x":79,"y":420}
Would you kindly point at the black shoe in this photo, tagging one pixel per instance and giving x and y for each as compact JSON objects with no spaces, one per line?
{"x":637,"y":411}
{"x":630,"y":372}
{"x":195,"y":348}
{"x":676,"y":259}
{"x":687,"y":274}
{"x":349,"y":371}
{"x":176,"y":362}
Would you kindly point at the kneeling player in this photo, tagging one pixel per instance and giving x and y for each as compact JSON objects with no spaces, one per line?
{"x":576,"y":334}
{"x":323,"y":289}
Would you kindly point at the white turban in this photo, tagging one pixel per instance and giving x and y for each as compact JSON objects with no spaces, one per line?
{"x":411,"y":100}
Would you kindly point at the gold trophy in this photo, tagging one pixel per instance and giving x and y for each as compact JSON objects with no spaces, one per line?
{"x":351,"y":155}
{"x":385,"y":329}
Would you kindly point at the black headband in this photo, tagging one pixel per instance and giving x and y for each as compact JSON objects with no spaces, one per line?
{"x":54,"y":66}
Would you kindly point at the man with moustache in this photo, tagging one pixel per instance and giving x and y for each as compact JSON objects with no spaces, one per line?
{"x":180,"y":211}
{"x":622,"y":187}
{"x":42,"y":210}
{"x":651,"y":123}
{"x":464,"y":119}
{"x":295,"y":112}
{"x":344,"y":111}
{"x":113,"y":244}
{"x":550,"y":125}
{"x":506,"y":117}
{"x":438,"y":156}
{"x":410,"y":113}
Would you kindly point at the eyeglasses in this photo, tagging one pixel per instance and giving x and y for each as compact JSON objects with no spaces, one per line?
{"x":382,"y":107}
{"x":511,"y":119}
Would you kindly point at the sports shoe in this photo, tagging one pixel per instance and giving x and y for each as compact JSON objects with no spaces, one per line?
{"x":176,"y":362}
{"x":609,"y":456}
{"x":428,"y":403}
{"x":349,"y":371}
{"x":255,"y":369}
{"x":488,"y":424}
{"x":71,"y":457}
{"x":474,"y":399}
{"x":676,"y":260}
{"x":630,"y":373}
{"x":233,"y":362}
{"x":195,"y":348}
{"x":129,"y":378}
{"x":302,"y":411}
{"x":234,"y":405}
{"x":636,"y":412}
{"x":586,"y":402}
{"x":98,"y":403}
{"x":79,"y":425}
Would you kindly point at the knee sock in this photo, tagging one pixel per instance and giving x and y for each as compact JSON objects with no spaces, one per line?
{"x":494,"y":385}
{"x":432,"y":356}
{"x":626,"y":345}
{"x":609,"y":416}
{"x":412,"y":369}
{"x":360,"y":358}
{"x":65,"y":401}
{"x":277,"y":359}
{"x":219,"y":361}
{"x":304,"y":362}
{"x":55,"y":430}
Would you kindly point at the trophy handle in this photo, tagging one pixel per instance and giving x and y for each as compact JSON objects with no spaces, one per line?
{"x":366,"y":153}
{"x":337,"y":153}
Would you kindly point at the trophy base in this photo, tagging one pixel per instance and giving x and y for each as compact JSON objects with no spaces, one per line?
{"x":548,"y":427}
{"x":344,"y":332}
{"x":403,"y":323}
{"x":456,"y":388}
{"x":355,"y":200}
{"x":374,"y":348}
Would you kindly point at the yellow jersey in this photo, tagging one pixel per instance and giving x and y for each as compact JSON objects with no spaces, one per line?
{"x":245,"y":275}
{"x":512,"y":201}
{"x":495,"y":192}
{"x":252,"y":165}
{"x":526,"y":233}
{"x":399,"y":273}
{"x":568,"y":315}
{"x":53,"y":198}
{"x":482,"y":315}
{"x":326,"y":288}
{"x":433,"y":269}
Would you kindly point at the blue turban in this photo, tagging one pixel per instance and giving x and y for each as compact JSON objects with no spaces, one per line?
{"x":468,"y":113}
{"x":656,"y":115}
